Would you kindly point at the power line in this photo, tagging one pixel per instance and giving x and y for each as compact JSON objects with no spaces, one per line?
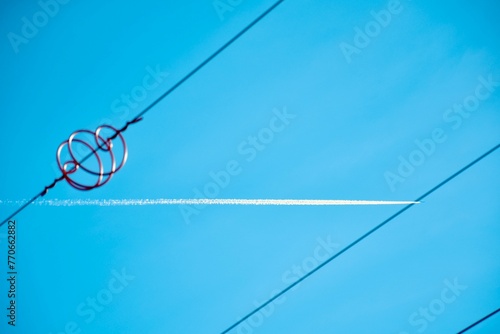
{"x":215,"y":54}
{"x":479,"y":321}
{"x":355,"y":242}
{"x":24,"y":206}
{"x":168,"y":92}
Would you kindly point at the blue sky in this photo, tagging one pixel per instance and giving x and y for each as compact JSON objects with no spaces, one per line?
{"x":381,"y":123}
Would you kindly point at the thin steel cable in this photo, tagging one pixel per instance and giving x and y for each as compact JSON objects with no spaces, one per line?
{"x":479,"y":321}
{"x":24,"y":206}
{"x":168,"y":92}
{"x":210,"y":58}
{"x":355,"y":242}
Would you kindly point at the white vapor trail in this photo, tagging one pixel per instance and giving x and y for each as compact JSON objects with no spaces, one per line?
{"x":204,"y":201}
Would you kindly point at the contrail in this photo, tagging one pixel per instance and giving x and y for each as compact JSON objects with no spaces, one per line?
{"x":203,"y":201}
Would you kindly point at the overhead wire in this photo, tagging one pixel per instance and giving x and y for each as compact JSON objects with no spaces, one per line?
{"x":155,"y":102}
{"x":479,"y":321}
{"x":358,"y":240}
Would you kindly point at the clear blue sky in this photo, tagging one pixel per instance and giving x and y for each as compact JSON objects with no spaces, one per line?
{"x":361,"y":105}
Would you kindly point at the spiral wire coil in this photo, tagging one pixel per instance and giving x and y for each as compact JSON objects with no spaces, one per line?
{"x":70,"y":167}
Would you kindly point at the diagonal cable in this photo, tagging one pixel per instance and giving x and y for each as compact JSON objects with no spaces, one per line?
{"x":168,"y":92}
{"x":361,"y":238}
{"x":479,"y":321}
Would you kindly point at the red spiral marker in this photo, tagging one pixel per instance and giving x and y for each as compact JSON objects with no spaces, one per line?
{"x":71,"y":167}
{"x":105,"y":167}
